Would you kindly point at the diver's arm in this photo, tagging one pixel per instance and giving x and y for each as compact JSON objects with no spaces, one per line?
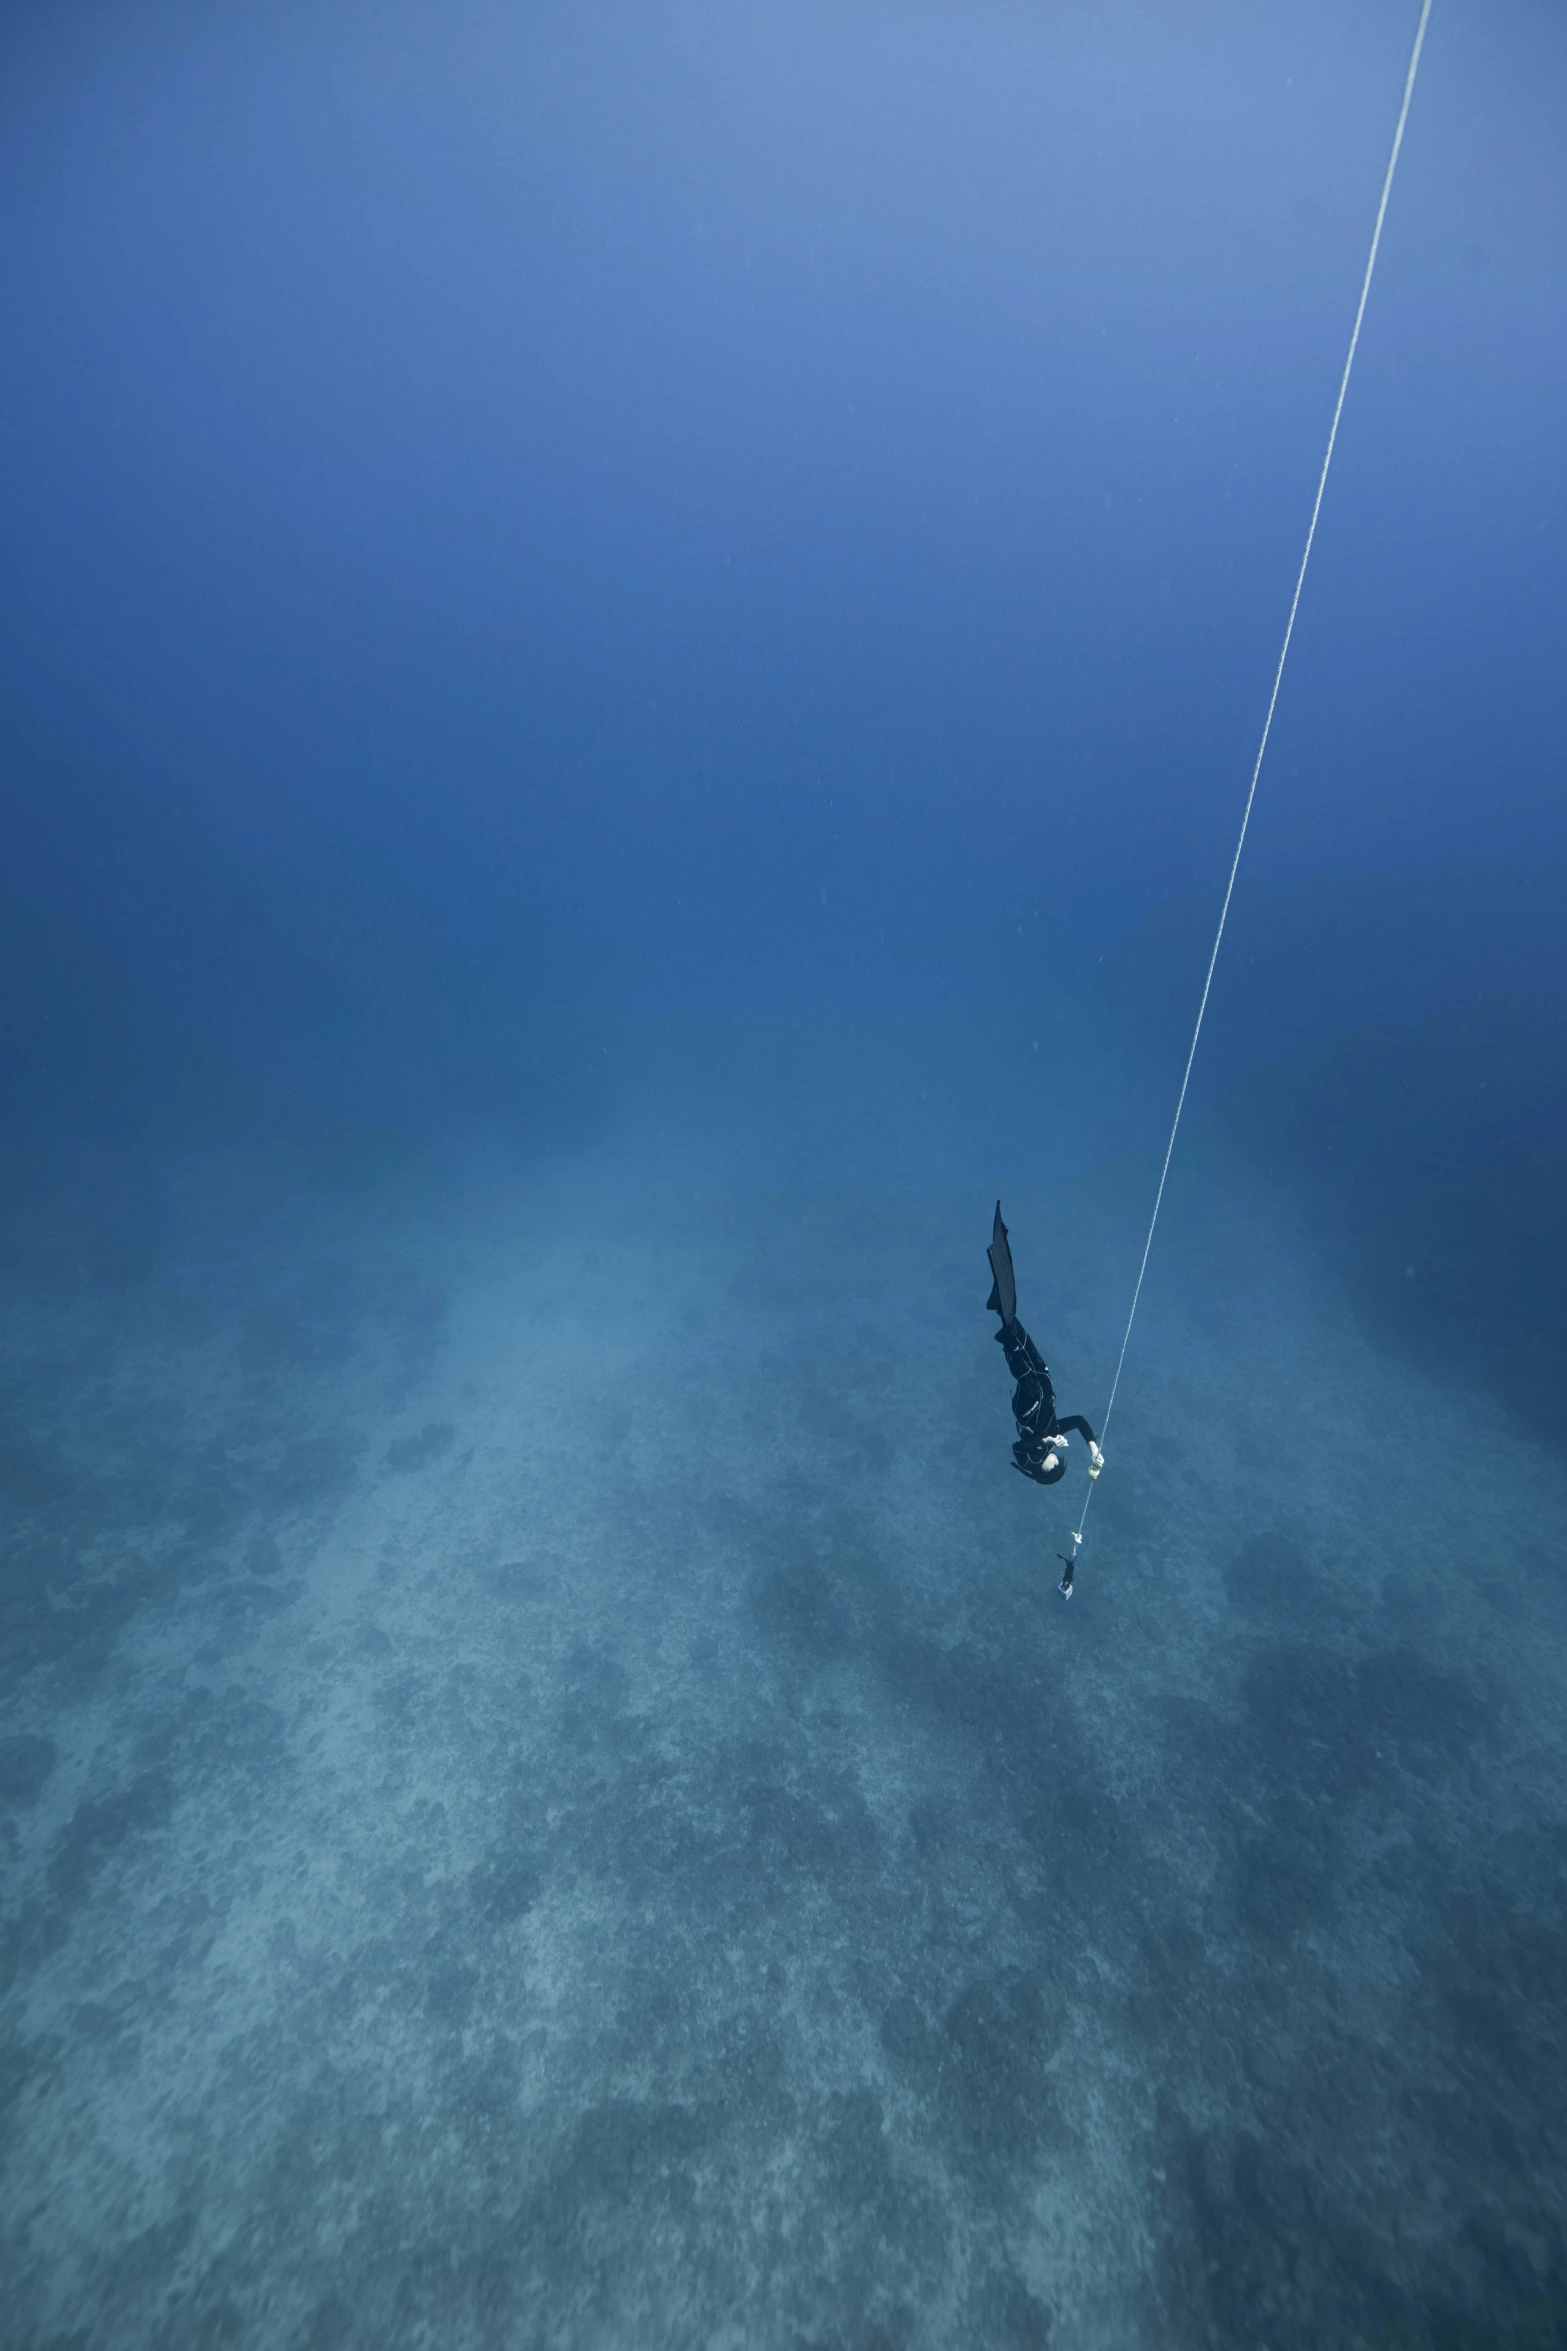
{"x":1096,"y":1459}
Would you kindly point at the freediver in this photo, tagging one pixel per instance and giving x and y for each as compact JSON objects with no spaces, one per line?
{"x":1040,"y":1450}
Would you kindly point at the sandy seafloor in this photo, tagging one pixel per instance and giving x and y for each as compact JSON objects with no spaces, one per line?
{"x":551,"y":1798}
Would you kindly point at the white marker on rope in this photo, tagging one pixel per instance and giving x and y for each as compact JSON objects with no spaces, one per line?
{"x":1267,"y":727}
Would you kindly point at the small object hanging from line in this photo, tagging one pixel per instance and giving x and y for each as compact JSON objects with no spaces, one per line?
{"x":1096,"y":1459}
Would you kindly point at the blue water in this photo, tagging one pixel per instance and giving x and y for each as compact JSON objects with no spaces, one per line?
{"x":631,"y":641}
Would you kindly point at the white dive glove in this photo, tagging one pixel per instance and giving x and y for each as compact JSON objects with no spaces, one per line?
{"x":1096,"y":1460}
{"x":1050,"y":1461}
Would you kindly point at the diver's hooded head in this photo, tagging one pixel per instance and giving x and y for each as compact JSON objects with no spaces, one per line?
{"x":1038,"y":1470}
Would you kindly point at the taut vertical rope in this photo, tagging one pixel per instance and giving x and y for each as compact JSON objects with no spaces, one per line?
{"x":1267,"y":724}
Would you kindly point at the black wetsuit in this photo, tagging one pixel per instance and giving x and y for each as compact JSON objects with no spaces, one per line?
{"x":1033,"y":1399}
{"x":1034,"y":1408}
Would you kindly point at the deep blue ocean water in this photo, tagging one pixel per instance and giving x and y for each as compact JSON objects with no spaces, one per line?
{"x":631,"y":641}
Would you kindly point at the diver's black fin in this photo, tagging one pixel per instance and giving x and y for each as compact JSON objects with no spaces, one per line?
{"x":1003,"y":1289}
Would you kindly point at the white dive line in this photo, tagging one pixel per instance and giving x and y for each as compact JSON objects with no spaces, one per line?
{"x":1267,"y":724}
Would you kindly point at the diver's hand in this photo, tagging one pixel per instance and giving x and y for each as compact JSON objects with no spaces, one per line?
{"x":1096,"y":1460}
{"x":1050,"y":1462}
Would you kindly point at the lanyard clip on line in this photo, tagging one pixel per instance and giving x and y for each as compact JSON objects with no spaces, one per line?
{"x":1267,"y":729}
